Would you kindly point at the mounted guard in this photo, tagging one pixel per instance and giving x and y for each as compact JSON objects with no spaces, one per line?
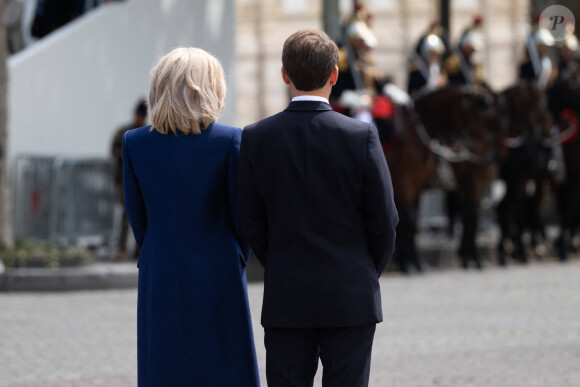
{"x":564,"y":103}
{"x":426,"y":72}
{"x":358,"y":91}
{"x":464,"y":65}
{"x":538,"y":65}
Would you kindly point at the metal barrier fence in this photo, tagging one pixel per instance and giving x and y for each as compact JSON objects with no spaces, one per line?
{"x":64,"y":200}
{"x":74,"y":201}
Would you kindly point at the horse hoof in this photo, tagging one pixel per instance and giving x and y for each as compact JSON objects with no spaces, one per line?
{"x":541,"y":251}
{"x":502,"y":261}
{"x":524,"y":260}
{"x":407,"y":270}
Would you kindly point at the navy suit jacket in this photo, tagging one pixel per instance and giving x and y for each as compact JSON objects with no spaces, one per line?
{"x":316,"y":206}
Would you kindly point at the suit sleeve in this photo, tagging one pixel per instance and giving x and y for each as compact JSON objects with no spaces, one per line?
{"x":134,"y":203}
{"x":233,"y":162}
{"x":252,"y":210}
{"x":380,"y":213}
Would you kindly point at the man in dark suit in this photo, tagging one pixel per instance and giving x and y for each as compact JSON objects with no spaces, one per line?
{"x":316,"y":205}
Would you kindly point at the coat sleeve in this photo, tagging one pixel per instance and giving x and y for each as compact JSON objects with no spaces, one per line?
{"x":134,"y":203}
{"x":380,"y":213}
{"x":252,"y":210}
{"x":233,"y":162}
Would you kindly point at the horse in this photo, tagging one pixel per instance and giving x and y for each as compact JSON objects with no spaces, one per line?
{"x":468,"y":130}
{"x":413,"y":165}
{"x":564,"y":103}
{"x":524,"y":169}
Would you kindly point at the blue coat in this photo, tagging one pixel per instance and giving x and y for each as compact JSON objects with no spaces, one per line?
{"x":193,"y":319}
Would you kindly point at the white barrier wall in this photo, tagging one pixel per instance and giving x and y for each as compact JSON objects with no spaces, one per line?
{"x":69,"y":92}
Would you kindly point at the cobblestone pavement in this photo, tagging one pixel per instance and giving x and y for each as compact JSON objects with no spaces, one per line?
{"x":514,"y":327}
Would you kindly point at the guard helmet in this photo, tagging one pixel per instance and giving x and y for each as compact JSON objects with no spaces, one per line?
{"x":360,"y":30}
{"x":472,"y":39}
{"x":432,"y":43}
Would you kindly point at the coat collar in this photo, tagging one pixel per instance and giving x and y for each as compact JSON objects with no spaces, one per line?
{"x":301,"y":106}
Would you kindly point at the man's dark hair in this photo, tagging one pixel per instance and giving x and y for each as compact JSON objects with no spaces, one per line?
{"x":309,"y":56}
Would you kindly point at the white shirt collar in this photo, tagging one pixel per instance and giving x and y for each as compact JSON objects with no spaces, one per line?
{"x":309,"y":98}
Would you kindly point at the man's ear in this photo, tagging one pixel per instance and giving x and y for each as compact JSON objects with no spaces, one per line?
{"x":333,"y":76}
{"x":285,"y":76}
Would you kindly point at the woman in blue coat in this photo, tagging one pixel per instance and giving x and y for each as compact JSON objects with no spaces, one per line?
{"x":180,"y":176}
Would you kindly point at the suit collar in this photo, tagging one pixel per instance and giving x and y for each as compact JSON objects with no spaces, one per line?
{"x":301,"y":106}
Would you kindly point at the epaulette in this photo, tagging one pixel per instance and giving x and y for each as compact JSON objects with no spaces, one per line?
{"x":342,"y":60}
{"x":479,"y":75}
{"x":453,"y":64}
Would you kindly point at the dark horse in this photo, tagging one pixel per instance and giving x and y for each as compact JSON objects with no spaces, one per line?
{"x":564,"y":102}
{"x":412,"y":165}
{"x":469,"y":133}
{"x":524,"y":169}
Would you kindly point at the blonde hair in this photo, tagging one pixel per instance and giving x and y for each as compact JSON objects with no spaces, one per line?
{"x":188,"y":88}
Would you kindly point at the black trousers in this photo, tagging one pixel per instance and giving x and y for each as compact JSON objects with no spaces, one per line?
{"x":292,"y":356}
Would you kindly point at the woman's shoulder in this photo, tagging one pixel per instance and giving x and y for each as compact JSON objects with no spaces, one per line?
{"x":225,"y":134}
{"x":138,"y":132}
{"x":225,"y":130}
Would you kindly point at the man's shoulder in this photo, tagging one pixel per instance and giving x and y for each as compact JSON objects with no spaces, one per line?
{"x":348,"y":124}
{"x":265,"y":121}
{"x":330,"y":118}
{"x":284,"y":116}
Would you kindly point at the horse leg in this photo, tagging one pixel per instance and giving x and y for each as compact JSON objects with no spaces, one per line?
{"x":568,"y":209}
{"x":414,"y":257}
{"x":507,"y":215}
{"x":503,"y":219}
{"x":463,"y":251}
{"x":536,"y":223}
{"x":468,"y":249}
{"x":405,"y":241}
{"x":452,"y":209}
{"x":516,"y":210}
{"x":474,"y":250}
{"x":521,"y":220}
